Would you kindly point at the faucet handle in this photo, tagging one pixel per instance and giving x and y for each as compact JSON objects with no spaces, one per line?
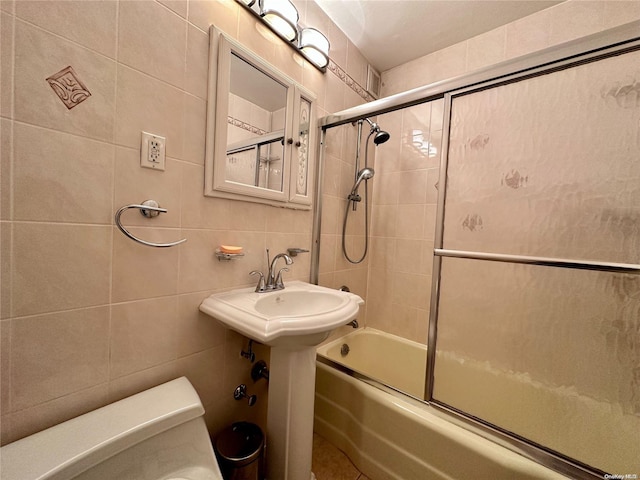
{"x":279,"y":282}
{"x":260,"y":287}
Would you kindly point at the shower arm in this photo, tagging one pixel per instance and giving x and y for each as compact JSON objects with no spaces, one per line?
{"x":374,"y":126}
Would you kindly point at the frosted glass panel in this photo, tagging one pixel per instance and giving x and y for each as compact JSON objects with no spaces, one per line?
{"x":549,"y":166}
{"x":546,"y":166}
{"x":550,"y":354}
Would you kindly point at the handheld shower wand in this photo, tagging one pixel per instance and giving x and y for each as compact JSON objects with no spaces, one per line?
{"x":364,"y":174}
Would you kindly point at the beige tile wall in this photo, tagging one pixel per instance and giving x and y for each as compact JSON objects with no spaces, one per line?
{"x":403,"y":217}
{"x":88,"y":316}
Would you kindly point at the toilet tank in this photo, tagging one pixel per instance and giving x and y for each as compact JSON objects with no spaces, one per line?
{"x":158,"y":434}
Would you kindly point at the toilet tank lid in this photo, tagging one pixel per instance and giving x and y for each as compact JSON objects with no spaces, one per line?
{"x":67,"y":449}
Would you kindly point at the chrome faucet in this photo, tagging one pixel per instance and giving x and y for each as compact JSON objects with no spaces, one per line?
{"x":273,"y":280}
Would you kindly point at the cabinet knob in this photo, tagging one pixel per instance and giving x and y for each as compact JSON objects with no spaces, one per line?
{"x":289,"y":141}
{"x":298,"y":143}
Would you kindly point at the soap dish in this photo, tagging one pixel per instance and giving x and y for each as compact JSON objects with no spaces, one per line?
{"x":227,"y":256}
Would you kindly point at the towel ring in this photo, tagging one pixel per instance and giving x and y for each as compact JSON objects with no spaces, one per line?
{"x":149,"y":209}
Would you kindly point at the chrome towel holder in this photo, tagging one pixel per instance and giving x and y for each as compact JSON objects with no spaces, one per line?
{"x":149,"y":209}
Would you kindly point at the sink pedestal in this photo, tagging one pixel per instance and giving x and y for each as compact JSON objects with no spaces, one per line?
{"x":292,"y":380}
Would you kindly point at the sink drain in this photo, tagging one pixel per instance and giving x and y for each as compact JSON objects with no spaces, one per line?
{"x":344,"y":350}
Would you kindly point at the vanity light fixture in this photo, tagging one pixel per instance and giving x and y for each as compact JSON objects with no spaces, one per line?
{"x":315,"y":46}
{"x":282,"y":17}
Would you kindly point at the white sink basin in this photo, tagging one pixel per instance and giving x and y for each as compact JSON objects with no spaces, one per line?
{"x":298,"y":303}
{"x":302,"y":314}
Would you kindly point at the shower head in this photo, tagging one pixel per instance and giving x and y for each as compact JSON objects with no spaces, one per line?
{"x":381,"y":136}
{"x":364,"y":174}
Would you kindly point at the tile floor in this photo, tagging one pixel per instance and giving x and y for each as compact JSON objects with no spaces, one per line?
{"x":329,"y":463}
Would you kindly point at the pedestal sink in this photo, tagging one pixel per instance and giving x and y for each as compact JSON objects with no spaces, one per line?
{"x":292,"y":321}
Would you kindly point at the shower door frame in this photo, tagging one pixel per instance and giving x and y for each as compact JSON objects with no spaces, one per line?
{"x":608,"y":43}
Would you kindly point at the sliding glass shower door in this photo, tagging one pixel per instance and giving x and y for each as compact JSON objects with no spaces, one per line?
{"x":538,"y":308}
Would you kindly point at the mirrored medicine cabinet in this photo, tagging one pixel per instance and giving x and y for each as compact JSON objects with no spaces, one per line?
{"x":261,"y":128}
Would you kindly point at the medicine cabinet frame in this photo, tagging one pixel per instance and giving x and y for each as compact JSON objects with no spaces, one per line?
{"x":298,"y":138}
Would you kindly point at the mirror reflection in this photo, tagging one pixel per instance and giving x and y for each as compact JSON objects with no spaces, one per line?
{"x":256,"y":127}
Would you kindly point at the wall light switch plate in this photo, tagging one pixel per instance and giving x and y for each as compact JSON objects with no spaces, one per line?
{"x":152,"y":151}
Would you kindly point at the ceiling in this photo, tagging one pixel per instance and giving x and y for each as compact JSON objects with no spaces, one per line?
{"x":392,"y":32}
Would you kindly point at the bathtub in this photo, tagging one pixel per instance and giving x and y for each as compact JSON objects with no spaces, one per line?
{"x":391,"y":360}
{"x":379,"y":365}
{"x":388,"y":435}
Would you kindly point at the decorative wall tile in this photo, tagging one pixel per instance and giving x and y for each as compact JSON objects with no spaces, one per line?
{"x":69,"y":88}
{"x":245,"y":126}
{"x":348,"y":81}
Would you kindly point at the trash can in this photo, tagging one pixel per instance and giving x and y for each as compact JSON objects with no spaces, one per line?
{"x":240,"y":452}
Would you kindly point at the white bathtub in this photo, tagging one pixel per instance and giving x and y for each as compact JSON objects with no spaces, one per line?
{"x":400,"y":364}
{"x":390,"y":436}
{"x":394,"y":361}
